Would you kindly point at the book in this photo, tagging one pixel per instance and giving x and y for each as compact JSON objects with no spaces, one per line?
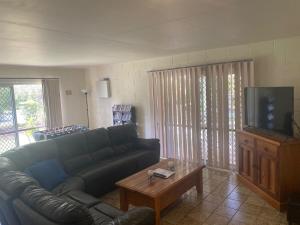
{"x":163,"y":173}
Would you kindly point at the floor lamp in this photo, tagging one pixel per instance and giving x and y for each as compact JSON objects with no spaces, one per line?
{"x":85,"y":92}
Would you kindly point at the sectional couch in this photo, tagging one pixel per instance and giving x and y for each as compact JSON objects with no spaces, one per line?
{"x":93,"y":160}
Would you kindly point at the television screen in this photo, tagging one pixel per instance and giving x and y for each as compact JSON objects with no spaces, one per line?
{"x":270,"y":108}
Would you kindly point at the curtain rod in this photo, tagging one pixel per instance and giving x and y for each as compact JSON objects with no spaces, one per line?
{"x":35,"y":78}
{"x":208,"y":64}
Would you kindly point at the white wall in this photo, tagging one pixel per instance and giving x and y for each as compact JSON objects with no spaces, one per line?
{"x":277,"y":63}
{"x":73,"y":106}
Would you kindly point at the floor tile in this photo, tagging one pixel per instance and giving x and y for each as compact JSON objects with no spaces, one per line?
{"x":225,"y":211}
{"x":189,"y":221}
{"x":199,"y":216}
{"x":206,"y":206}
{"x":244,"y":218}
{"x":233,"y":204}
{"x":261,"y":221}
{"x":236,"y":222}
{"x":250,"y":209}
{"x":214,"y":199}
{"x":215,"y":219}
{"x":224,"y":201}
{"x":238,"y":196}
{"x":270,"y":215}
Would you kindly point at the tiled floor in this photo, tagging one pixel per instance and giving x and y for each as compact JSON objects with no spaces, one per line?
{"x":224,"y":201}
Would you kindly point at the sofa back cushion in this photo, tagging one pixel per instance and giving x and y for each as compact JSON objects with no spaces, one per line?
{"x":48,"y":173}
{"x":99,"y":144}
{"x":97,"y":139}
{"x":122,"y":134}
{"x":55,"y":208}
{"x":123,"y":137}
{"x":102,"y":154}
{"x":26,"y":155}
{"x":77,"y":163}
{"x":14,"y":182}
{"x":70,"y":146}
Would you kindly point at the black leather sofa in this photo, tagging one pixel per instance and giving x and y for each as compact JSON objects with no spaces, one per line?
{"x":94,"y":161}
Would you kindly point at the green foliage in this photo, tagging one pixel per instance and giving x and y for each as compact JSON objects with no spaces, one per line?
{"x":5,"y":99}
{"x":29,"y":105}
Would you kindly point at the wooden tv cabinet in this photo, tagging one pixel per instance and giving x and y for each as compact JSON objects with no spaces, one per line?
{"x":269,"y":166}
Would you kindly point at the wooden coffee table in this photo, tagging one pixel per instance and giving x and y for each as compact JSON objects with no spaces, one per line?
{"x":160,"y":193}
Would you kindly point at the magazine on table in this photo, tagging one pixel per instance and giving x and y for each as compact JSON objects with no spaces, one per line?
{"x":163,"y":173}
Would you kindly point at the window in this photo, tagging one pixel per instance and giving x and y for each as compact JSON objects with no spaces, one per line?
{"x":21,"y":113}
{"x":197,"y":110}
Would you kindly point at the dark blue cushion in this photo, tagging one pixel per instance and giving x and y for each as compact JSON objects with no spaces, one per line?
{"x":48,"y":173}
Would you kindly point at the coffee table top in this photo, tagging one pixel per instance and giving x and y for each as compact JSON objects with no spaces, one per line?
{"x":140,"y":181}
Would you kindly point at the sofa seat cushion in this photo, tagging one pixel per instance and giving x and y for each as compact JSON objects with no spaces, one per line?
{"x":141,"y":158}
{"x":123,"y":148}
{"x":55,"y":208}
{"x":108,"y":210}
{"x":75,"y":164}
{"x":71,"y":184}
{"x":104,"y":214}
{"x":102,"y":176}
{"x":81,"y":198}
{"x":115,"y":166}
{"x":102,"y":154}
{"x":100,"y":218}
{"x":146,"y":158}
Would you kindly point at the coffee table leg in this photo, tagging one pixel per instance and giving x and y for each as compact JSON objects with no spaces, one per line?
{"x":123,"y":200}
{"x":199,"y":183}
{"x":157,"y":211}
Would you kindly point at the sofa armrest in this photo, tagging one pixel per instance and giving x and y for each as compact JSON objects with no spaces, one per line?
{"x":136,"y":216}
{"x":13,"y":183}
{"x":149,"y":144}
{"x":6,"y":165}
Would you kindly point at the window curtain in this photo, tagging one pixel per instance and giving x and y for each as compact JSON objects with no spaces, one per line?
{"x":196,"y":111}
{"x":51,"y":95}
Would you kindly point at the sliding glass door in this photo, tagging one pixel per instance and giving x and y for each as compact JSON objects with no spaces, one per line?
{"x":8,"y":136}
{"x":197,"y":110}
{"x":21,"y":113}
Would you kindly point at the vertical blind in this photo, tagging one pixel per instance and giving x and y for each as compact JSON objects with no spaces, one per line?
{"x":196,"y":111}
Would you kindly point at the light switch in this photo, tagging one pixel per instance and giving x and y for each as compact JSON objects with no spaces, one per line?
{"x":68,"y":92}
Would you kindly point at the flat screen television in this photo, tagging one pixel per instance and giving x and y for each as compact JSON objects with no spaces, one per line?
{"x":270,"y":108}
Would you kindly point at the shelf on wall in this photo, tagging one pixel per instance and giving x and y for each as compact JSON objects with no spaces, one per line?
{"x":123,"y":114}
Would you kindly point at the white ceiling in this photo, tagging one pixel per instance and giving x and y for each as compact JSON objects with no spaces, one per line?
{"x":88,"y":32}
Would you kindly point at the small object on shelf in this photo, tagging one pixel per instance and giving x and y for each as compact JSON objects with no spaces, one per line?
{"x":123,"y":114}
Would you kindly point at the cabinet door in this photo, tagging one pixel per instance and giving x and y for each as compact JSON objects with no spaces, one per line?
{"x":268,"y":173}
{"x":246,"y":162}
